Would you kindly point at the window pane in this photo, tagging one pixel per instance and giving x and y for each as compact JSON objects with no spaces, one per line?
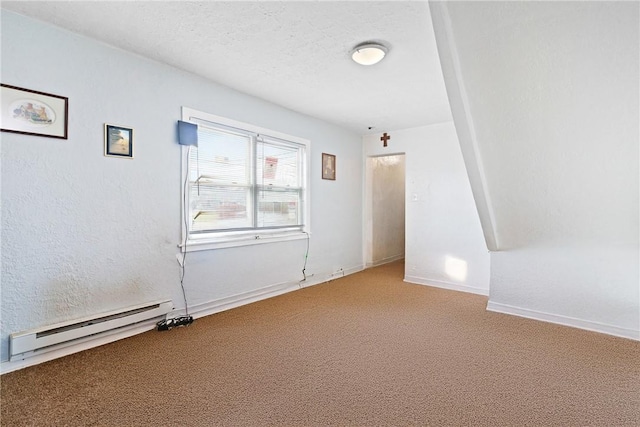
{"x":278,"y":208}
{"x":278,"y":165}
{"x":215,"y":207}
{"x":220,"y":175}
{"x":221,"y":157}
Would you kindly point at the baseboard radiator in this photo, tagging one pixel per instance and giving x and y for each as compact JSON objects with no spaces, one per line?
{"x":25,"y":344}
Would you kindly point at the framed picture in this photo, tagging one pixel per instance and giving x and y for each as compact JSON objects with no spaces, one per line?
{"x":118,"y":141}
{"x":328,"y":166}
{"x":30,"y":112}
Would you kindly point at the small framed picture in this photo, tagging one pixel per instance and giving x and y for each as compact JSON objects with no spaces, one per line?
{"x":328,"y":166}
{"x":118,"y":141}
{"x":30,"y":112}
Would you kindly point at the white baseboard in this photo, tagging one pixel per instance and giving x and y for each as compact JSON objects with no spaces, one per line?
{"x":316,"y":279}
{"x":564,"y":320}
{"x":234,"y":301}
{"x":446,"y":285}
{"x":345,"y":272}
{"x":199,"y":310}
{"x":355,"y":269}
{"x":385,"y":260}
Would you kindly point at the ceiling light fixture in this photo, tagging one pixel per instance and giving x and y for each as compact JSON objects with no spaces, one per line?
{"x":369,"y":53}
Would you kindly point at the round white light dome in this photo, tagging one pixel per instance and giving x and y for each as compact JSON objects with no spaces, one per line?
{"x":368,"y":53}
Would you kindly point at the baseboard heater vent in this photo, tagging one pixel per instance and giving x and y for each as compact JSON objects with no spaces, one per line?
{"x":22,"y":343}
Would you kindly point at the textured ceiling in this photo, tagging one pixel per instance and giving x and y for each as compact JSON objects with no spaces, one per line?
{"x":295,"y":54}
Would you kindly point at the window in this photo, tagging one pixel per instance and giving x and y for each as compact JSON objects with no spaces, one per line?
{"x":242,"y":184}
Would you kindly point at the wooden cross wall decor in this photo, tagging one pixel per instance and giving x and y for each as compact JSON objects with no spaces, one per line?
{"x":384,"y":138}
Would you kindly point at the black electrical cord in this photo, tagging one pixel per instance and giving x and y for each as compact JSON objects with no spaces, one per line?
{"x":166,"y":324}
{"x":186,"y":235}
{"x":306,"y":256}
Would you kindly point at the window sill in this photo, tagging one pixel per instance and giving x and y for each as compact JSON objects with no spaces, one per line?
{"x":206,"y":244}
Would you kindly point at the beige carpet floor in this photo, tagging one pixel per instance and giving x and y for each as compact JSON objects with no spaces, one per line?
{"x":364,"y":350}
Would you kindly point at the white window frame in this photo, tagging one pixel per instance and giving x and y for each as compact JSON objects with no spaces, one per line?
{"x":220,"y":240}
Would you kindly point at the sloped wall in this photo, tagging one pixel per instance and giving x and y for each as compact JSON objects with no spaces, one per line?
{"x":545,"y":99}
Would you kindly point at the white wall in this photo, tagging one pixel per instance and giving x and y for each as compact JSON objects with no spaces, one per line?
{"x":444,"y":244}
{"x":84,"y":234}
{"x":386,"y":176}
{"x":546,"y":95}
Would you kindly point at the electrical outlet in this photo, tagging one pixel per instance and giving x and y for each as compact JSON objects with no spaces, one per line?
{"x":338,"y":272}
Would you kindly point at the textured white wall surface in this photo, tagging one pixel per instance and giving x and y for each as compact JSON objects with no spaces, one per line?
{"x":552,"y":93}
{"x":444,"y":244}
{"x":83,"y":233}
{"x":387,"y":208}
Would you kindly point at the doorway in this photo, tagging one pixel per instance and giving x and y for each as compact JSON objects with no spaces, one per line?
{"x":385,"y":213}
